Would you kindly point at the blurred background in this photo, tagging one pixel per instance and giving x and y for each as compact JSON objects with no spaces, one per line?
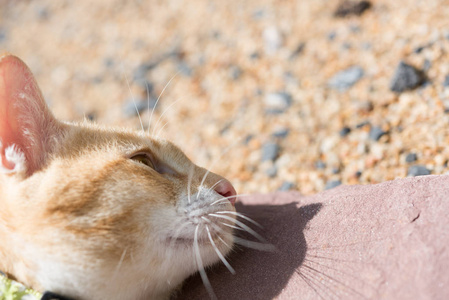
{"x":283,"y":95}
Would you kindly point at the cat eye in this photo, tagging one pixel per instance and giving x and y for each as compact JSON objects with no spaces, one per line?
{"x":143,"y":158}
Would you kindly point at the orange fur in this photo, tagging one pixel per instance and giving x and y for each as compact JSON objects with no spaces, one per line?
{"x":85,"y":220}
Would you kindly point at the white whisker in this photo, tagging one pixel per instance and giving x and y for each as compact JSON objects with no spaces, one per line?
{"x":242,"y":225}
{"x":134,"y":101}
{"x":117,"y":269}
{"x":232,"y":226}
{"x":160,"y":130}
{"x":254,"y":245}
{"x":241,"y":216}
{"x":163,"y":113}
{"x":200,"y":265}
{"x":226,"y":198}
{"x":219,"y":237}
{"x":160,"y":95}
{"x":210,"y":189}
{"x":223,"y":259}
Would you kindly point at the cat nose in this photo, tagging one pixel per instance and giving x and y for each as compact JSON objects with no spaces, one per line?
{"x":225,"y":188}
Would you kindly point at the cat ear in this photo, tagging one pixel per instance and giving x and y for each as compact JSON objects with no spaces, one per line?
{"x":27,"y":127}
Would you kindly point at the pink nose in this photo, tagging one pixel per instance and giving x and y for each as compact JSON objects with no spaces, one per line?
{"x":226,"y":189}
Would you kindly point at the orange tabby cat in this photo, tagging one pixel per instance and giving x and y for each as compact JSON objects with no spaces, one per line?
{"x":96,"y":213}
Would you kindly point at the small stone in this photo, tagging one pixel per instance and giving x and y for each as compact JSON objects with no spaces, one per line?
{"x":331,"y":36}
{"x":235,"y":72}
{"x":320,"y":165}
{"x":298,"y":50}
{"x":346,"y":78}
{"x":281,"y":133}
{"x":427,"y":65}
{"x":332,"y":184}
{"x":130,"y":109}
{"x":354,"y":8}
{"x":286,"y":186}
{"x":418,"y":170}
{"x":363,"y":124}
{"x":272,"y":39}
{"x":344,"y":131}
{"x":376,"y":133}
{"x":446,"y":81}
{"x":411,"y":157}
{"x":185,"y":69}
{"x":277,"y":102}
{"x":254,"y":56}
{"x":270,"y":151}
{"x":272,"y":171}
{"x":406,"y":77}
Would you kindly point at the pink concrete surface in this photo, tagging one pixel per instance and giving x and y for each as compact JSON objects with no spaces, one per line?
{"x":383,"y":241}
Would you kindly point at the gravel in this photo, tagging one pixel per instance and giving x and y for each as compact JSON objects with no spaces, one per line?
{"x":446,"y":81}
{"x":286,"y":186}
{"x":332,"y":184}
{"x":272,"y":39}
{"x":277,"y":102}
{"x":411,"y":157}
{"x":376,"y":133}
{"x":270,"y":151}
{"x":418,"y":171}
{"x":130,"y":109}
{"x":346,"y":78}
{"x":345,"y":131}
{"x":281,"y":133}
{"x":348,"y":8}
{"x":406,"y":77}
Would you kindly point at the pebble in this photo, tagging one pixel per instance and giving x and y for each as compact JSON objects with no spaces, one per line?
{"x":272,"y":171}
{"x":281,"y":133}
{"x":346,"y":78}
{"x":286,"y":186}
{"x":277,"y":102}
{"x":272,"y":40}
{"x":270,"y":151}
{"x":354,"y":8}
{"x":406,"y":77}
{"x":418,"y":170}
{"x":298,"y":50}
{"x":332,"y":184}
{"x":129,"y":109}
{"x":185,"y":69}
{"x":320,"y":165}
{"x":446,"y":81}
{"x":344,"y":131}
{"x":376,"y":133}
{"x":235,"y":72}
{"x":411,"y":157}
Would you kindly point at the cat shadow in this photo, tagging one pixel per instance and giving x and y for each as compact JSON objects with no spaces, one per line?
{"x":260,"y":274}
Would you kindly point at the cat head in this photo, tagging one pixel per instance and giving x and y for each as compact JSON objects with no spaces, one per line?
{"x":94,"y":212}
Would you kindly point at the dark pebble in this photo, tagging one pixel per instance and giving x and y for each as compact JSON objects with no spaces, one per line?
{"x":411,"y":157}
{"x":185,"y":69}
{"x":332,"y":184}
{"x":286,"y":186}
{"x":363,"y":124}
{"x":235,"y":72}
{"x":248,"y":139}
{"x":320,"y":165}
{"x":346,"y":78}
{"x":254,"y":56}
{"x":351,"y":8}
{"x":331,"y":36}
{"x":270,"y":151}
{"x":344,"y":131}
{"x":358,"y":174}
{"x":298,"y":50}
{"x":91,"y":116}
{"x":426,"y":65}
{"x":406,"y":77}
{"x":281,"y":133}
{"x":446,"y":81}
{"x":129,"y":109}
{"x":335,"y":170}
{"x":418,"y":171}
{"x":376,"y":133}
{"x":108,"y":62}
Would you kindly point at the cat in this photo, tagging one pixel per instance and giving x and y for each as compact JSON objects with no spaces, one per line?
{"x":90,"y":212}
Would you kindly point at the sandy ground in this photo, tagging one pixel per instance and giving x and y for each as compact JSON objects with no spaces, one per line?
{"x":256,"y":93}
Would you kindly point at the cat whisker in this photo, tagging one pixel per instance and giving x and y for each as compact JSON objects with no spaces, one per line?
{"x":241,"y":216}
{"x":216,"y":161}
{"x":254,"y":245}
{"x":160,"y":130}
{"x":232,"y":226}
{"x":122,"y":257}
{"x":189,"y":182}
{"x":226,"y":198}
{"x":163,"y":113}
{"x":134,"y":101}
{"x":242,"y":225}
{"x":200,"y":265}
{"x":177,"y":233}
{"x":160,"y":95}
{"x":225,"y":262}
{"x":211,"y":188}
